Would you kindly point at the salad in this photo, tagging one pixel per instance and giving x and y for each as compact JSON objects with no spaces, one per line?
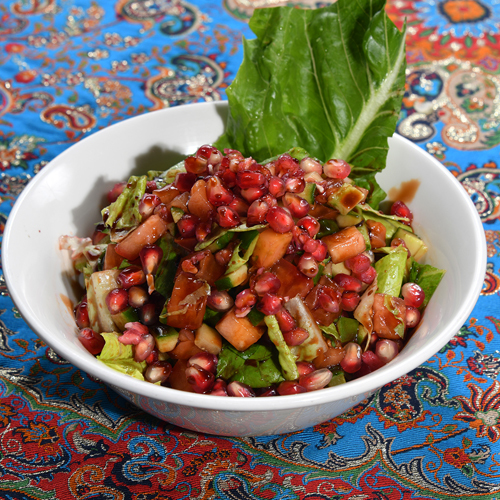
{"x":230,"y":277}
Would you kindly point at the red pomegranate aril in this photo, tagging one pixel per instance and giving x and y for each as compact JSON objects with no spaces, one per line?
{"x":336,"y":169}
{"x":137,"y":296}
{"x":196,"y":165}
{"x":240,"y":390}
{"x":304,"y":368}
{"x":144,"y":348}
{"x":270,"y":200}
{"x":310,"y":224}
{"x":151,"y":186}
{"x":245,"y":298}
{"x":82,"y":314}
{"x":367,"y":276}
{"x":257,"y":212}
{"x":252,"y":194}
{"x":267,"y":282}
{"x":386,"y":350}
{"x":285,"y":320}
{"x":229,"y":178}
{"x":116,"y":191}
{"x":319,"y":254}
{"x":147,"y":204}
{"x":227,"y":218}
{"x":240,"y":206}
{"x":329,"y":299}
{"x":269,"y":304}
{"x":400,"y":209}
{"x":149,"y":314}
{"x":295,"y":185}
{"x":187,"y":226}
{"x":308,"y":265}
{"x":91,"y":340}
{"x":131,"y":276}
{"x":220,"y":300}
{"x":117,"y":300}
{"x":299,"y":207}
{"x":413,"y":295}
{"x":412,"y":317}
{"x":266,"y":392}
{"x":219,"y":388}
{"x":348,"y":282}
{"x":286,"y":164}
{"x":311,"y":165}
{"x":150,"y":256}
{"x":209,"y":153}
{"x":247,"y":180}
{"x":205,"y":360}
{"x":316,"y":380}
{"x":350,"y":300}
{"x":372,"y":361}
{"x":311,"y":245}
{"x":200,"y":379}
{"x":280,"y":220}
{"x":289,"y":387}
{"x":276,"y":187}
{"x":184,"y":181}
{"x":203,"y":229}
{"x":159,"y":371}
{"x":136,"y":328}
{"x":358,"y":264}
{"x":351,"y":362}
{"x":294,"y":337}
{"x":217,"y":194}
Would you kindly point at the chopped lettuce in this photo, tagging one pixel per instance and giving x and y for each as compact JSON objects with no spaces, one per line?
{"x":427,"y":277}
{"x":390,"y":272}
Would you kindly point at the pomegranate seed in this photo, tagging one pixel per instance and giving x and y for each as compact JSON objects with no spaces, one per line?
{"x":200,"y":379}
{"x":307,"y":265}
{"x":244,"y":301}
{"x":144,"y":348}
{"x":276,"y":187}
{"x":247,"y":180}
{"x":319,"y":254}
{"x":204,"y":360}
{"x":329,"y":299}
{"x":285,"y":320}
{"x":310,"y":224}
{"x":227,"y":218}
{"x":220,"y":301}
{"x":267,"y":392}
{"x":311,"y":165}
{"x":399,"y":242}
{"x":163,"y":211}
{"x":151,"y":186}
{"x":117,"y":300}
{"x":137,"y":296}
{"x":239,"y":206}
{"x":286,"y":164}
{"x":316,"y":380}
{"x":217,"y":194}
{"x":336,"y":169}
{"x":311,"y":245}
{"x":351,"y":362}
{"x":257,"y":213}
{"x":413,"y":295}
{"x":240,"y":390}
{"x":147,"y":204}
{"x":412,"y":317}
{"x":372,"y":361}
{"x":131,"y":276}
{"x":203,"y":229}
{"x":386,"y":350}
{"x":279,"y":220}
{"x":92,"y":341}
{"x":289,"y":387}
{"x":229,"y":178}
{"x":267,"y":282}
{"x":295,"y":185}
{"x":304,"y":368}
{"x":196,"y":165}
{"x":348,"y":282}
{"x":82,"y":314}
{"x":219,"y":388}
{"x":270,"y":200}
{"x":252,"y":194}
{"x":399,"y":209}
{"x":224,"y":256}
{"x":184,"y":181}
{"x":150,"y":256}
{"x":298,"y":206}
{"x":367,"y":276}
{"x":149,"y":314}
{"x":187,"y":225}
{"x":350,"y":300}
{"x":209,"y":153}
{"x":269,"y":304}
{"x":116,"y":191}
{"x":297,"y":336}
{"x":358,"y":264}
{"x":159,"y":371}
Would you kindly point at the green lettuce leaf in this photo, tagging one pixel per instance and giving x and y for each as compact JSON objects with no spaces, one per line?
{"x":329,"y":80}
{"x":427,"y":277}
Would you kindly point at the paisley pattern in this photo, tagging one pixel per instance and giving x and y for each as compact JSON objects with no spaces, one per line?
{"x":69,"y":69}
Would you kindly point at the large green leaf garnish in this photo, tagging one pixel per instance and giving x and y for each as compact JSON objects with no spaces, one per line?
{"x":330,"y":80}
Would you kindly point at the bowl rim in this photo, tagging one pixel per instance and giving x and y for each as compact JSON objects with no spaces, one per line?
{"x":356,"y":389}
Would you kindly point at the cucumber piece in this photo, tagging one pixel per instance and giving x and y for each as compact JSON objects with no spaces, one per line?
{"x":208,"y":339}
{"x":233,"y":279}
{"x":177,"y":213}
{"x":221,"y":242}
{"x":326,"y":227}
{"x":414,"y":244}
{"x":166,"y":338}
{"x":338,"y":378}
{"x":345,"y":198}
{"x":127,"y":316}
{"x":309,"y":192}
{"x":349,"y":219}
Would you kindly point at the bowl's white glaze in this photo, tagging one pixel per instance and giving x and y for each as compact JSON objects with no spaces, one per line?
{"x":64,"y":198}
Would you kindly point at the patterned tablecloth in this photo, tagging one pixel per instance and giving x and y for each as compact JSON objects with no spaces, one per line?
{"x":69,"y":68}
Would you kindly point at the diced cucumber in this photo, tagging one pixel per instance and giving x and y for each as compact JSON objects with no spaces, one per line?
{"x":98,"y":287}
{"x":233,"y":279}
{"x":166,"y":338}
{"x":350,"y":219}
{"x":177,"y":213}
{"x":326,"y":227}
{"x":127,"y":316}
{"x":345,"y":198}
{"x":208,"y":339}
{"x":363,"y":229}
{"x":414,"y":244}
{"x":221,"y":242}
{"x":338,"y":378}
{"x":309,"y":192}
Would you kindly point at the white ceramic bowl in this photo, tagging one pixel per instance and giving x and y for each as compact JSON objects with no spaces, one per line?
{"x":64,"y":198}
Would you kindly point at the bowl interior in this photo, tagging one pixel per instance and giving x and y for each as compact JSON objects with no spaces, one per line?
{"x":65,"y":198}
